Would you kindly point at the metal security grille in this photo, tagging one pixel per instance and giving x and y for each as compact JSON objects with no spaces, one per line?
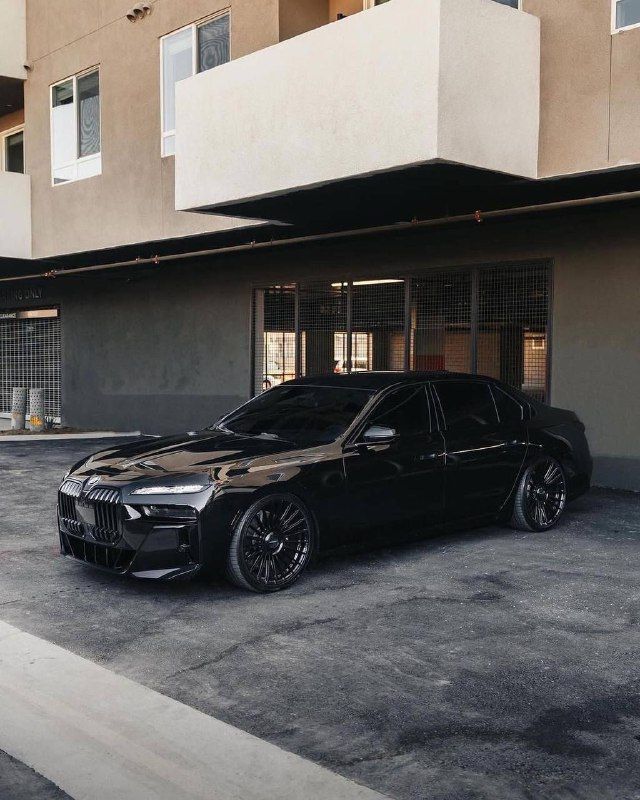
{"x":513,"y":305}
{"x":441,"y":322}
{"x":30,"y":356}
{"x":323,"y":327}
{"x":488,"y":320}
{"x":274,"y":326}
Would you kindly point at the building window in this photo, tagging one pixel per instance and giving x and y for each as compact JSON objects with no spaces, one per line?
{"x":12,"y":155}
{"x":626,"y":14}
{"x":510,"y":3}
{"x":196,"y":48}
{"x":486,"y":320}
{"x":75,"y":128}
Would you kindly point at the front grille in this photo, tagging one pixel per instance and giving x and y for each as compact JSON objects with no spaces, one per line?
{"x":105,"y":503}
{"x":100,"y":555}
{"x":69,"y":491}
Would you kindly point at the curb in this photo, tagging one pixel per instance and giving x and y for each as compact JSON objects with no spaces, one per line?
{"x":64,"y":437}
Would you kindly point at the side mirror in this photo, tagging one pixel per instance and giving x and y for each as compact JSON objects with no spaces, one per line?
{"x":378,"y":433}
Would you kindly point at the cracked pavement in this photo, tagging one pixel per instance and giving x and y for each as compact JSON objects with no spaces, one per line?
{"x":484,"y":665}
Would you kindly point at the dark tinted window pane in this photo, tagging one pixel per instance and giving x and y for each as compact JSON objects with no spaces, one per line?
{"x":405,"y":410}
{"x":627,"y":13}
{"x":512,"y":3}
{"x":14,"y":156}
{"x":302,"y":414}
{"x":467,"y":406}
{"x":213,"y":43}
{"x":88,"y":115}
{"x":509,"y":409}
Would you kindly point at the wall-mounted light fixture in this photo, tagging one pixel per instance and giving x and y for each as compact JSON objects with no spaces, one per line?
{"x":139,"y":11}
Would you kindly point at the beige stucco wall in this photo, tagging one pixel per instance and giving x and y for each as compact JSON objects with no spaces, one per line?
{"x":590,"y":98}
{"x":132,"y":200}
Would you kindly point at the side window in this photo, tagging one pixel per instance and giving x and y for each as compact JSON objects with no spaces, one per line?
{"x":75,"y":128}
{"x":509,"y":410}
{"x":467,"y":405}
{"x":405,"y":410}
{"x":196,"y":48}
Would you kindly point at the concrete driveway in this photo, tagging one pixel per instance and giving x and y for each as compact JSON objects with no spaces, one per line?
{"x":480,"y":666}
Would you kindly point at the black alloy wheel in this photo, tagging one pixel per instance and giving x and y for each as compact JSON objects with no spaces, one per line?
{"x":271,"y":545}
{"x":541,"y":497}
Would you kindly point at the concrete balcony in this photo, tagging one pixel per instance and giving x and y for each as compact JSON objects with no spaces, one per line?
{"x":388,"y":108}
{"x":13,"y":39}
{"x":15,"y":215}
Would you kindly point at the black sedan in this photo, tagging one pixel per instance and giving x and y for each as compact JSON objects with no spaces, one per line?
{"x":317,"y":463}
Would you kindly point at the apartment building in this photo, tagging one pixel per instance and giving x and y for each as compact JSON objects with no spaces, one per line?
{"x":203,"y":198}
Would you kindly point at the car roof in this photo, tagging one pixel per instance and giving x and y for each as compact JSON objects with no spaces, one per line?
{"x":376,"y":381}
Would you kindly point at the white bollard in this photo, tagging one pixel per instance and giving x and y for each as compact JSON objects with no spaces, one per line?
{"x":18,"y":408}
{"x":36,"y":409}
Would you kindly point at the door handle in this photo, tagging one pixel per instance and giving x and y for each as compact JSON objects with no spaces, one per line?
{"x":430,"y":456}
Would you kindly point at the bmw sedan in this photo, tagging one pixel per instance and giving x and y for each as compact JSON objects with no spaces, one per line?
{"x":317,"y":463}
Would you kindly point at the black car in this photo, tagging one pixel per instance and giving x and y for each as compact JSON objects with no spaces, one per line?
{"x":317,"y":463}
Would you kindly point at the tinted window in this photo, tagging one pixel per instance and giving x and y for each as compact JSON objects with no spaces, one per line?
{"x":509,"y":410}
{"x":405,"y":410}
{"x":467,"y":406}
{"x":302,"y":414}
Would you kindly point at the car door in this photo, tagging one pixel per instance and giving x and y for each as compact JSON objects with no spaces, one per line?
{"x":398,"y":480}
{"x":483,"y":453}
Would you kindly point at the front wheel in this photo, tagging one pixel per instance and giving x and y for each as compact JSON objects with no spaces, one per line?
{"x":271,"y":545}
{"x":541,"y":496}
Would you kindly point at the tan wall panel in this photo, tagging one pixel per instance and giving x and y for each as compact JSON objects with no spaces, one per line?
{"x":9,"y":121}
{"x":345,"y":7}
{"x":298,"y":16}
{"x":576,"y":42}
{"x":254,"y":25}
{"x":625,"y":98}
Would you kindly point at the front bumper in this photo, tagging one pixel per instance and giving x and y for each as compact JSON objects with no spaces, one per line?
{"x":124,"y":541}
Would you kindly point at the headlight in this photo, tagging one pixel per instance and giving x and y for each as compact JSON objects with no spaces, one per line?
{"x":185,"y":488}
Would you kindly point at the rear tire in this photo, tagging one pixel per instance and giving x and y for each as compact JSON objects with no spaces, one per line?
{"x":271,"y":545}
{"x":541,"y":496}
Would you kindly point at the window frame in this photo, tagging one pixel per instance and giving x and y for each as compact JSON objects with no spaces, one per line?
{"x":614,"y":20}
{"x":4,"y":135}
{"x":79,"y":159}
{"x":443,"y":419}
{"x":195,"y":63}
{"x":355,"y":436}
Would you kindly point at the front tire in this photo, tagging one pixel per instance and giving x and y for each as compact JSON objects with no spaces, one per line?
{"x":271,"y":545}
{"x":541,"y":496}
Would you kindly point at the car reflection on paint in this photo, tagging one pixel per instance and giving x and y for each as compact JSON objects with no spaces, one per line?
{"x":317,"y":463}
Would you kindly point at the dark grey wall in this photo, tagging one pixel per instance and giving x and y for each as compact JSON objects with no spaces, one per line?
{"x":170,"y":348}
{"x":159,"y":353}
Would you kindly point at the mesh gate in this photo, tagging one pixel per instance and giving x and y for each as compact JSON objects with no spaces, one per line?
{"x":30,"y":356}
{"x":488,"y":320}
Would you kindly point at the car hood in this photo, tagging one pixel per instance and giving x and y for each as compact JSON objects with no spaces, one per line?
{"x":203,"y":452}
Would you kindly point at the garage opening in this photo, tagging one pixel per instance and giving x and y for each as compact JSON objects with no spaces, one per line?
{"x":30,"y":356}
{"x":490,"y":320}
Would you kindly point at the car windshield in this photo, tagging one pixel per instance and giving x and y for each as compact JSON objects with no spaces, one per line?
{"x":300,"y":414}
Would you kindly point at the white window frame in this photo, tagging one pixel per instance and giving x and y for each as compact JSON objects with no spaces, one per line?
{"x":614,"y":20}
{"x":78,"y":160}
{"x":164,"y":135}
{"x":3,"y":144}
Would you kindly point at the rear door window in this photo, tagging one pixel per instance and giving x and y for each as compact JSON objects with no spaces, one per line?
{"x":509,"y":409}
{"x":467,"y":405}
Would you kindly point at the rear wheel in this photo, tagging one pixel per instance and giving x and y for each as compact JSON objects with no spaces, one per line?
{"x":541,"y":497}
{"x":271,"y":545}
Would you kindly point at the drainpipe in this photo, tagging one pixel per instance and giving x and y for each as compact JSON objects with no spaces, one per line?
{"x":477,"y":216}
